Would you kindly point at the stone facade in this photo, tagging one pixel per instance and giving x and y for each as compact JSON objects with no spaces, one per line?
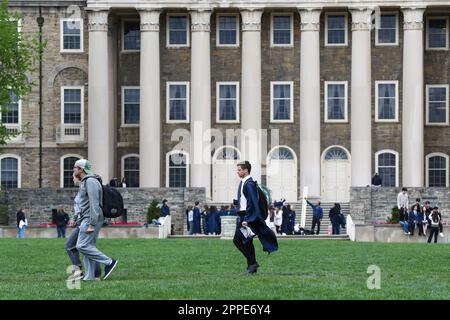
{"x":136,"y":201}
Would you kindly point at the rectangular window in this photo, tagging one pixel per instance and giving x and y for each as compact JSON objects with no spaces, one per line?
{"x":336,"y":30}
{"x":131,"y":36}
{"x":72,"y":105}
{"x":177,"y":31}
{"x":387,"y":30}
{"x":335,"y":101}
{"x":282,"y":30}
{"x":10,"y":113}
{"x":227,"y":102}
{"x":177,"y":102}
{"x":437,"y":33}
{"x":71,"y":35}
{"x":227,"y":30}
{"x":130,"y":106}
{"x":386,"y":103}
{"x":177,"y":171}
{"x":282,"y":104}
{"x":437,"y":105}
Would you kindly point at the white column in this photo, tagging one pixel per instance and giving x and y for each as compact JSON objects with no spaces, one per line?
{"x":310,"y":101}
{"x":412,"y":126}
{"x":100,"y":148}
{"x":251,"y":89}
{"x":200,"y":108}
{"x":361,"y":111}
{"x":149,"y":104}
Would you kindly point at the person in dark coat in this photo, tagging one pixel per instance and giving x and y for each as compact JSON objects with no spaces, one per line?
{"x":61,"y":220}
{"x":212,"y":220}
{"x":335,"y":218}
{"x":165,"y":210}
{"x":21,"y":223}
{"x":205,"y":220}
{"x":412,"y":218}
{"x":250,"y":217}
{"x":317,"y":215}
{"x":285,"y":221}
{"x":291,"y":220}
{"x":376,"y":180}
{"x":197,"y":219}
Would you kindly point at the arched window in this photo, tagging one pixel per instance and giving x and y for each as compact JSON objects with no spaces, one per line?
{"x":10,"y":172}
{"x":281,"y":153}
{"x":437,"y":170}
{"x":336,"y":153}
{"x":130,"y":165}
{"x":177,"y":169}
{"x":227,"y":153}
{"x":386,"y":163}
{"x":67,"y":163}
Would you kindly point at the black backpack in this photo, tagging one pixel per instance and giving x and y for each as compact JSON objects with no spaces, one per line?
{"x":112,"y":201}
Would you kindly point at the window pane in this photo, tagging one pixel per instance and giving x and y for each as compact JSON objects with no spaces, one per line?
{"x":10,"y":113}
{"x":72,"y":106}
{"x":437,"y":33}
{"x":178,"y":30}
{"x":131,"y":37}
{"x":336,"y":29}
{"x":387,"y":175}
{"x":68,"y":164}
{"x":388,"y":21}
{"x":437,"y":105}
{"x":177,"y":170}
{"x":386,"y":101}
{"x":437,"y":172}
{"x":227,"y":30}
{"x":281,"y":30}
{"x":227,"y":102}
{"x":178,"y":91}
{"x":336,"y":102}
{"x":131,"y":106}
{"x":71,"y":35}
{"x":9,"y":173}
{"x":131,"y":171}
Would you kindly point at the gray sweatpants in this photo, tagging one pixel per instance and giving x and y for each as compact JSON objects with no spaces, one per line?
{"x":86,"y":244}
{"x":73,"y":253}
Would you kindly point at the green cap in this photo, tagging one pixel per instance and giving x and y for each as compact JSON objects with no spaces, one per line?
{"x":85,"y":165}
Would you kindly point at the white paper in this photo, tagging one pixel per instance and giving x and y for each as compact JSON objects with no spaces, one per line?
{"x":247,"y":232}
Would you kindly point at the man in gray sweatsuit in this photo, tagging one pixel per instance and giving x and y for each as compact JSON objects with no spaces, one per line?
{"x":91,"y":220}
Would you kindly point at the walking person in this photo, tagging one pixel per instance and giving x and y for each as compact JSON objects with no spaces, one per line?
{"x":435,"y":219}
{"x":335,"y":218}
{"x":251,"y":220}
{"x":317,"y":215}
{"x":91,"y":217}
{"x":71,"y":243}
{"x":61,"y":220}
{"x":22,"y":223}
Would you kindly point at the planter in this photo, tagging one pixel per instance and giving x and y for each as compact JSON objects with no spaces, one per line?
{"x":4,"y":217}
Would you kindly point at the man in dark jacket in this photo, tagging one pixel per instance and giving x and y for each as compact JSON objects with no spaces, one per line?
{"x":335,"y":217}
{"x":250,"y":217}
{"x":376,"y":180}
{"x":61,"y":220}
{"x":317,"y":215}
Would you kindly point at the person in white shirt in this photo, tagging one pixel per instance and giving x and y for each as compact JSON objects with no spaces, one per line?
{"x":191,"y":220}
{"x":402,"y":201}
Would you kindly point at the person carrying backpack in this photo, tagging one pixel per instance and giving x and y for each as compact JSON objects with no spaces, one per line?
{"x":250,"y":200}
{"x":91,"y":219}
{"x":435,"y":220}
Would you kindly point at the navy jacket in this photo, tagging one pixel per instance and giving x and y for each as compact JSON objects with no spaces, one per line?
{"x":165,"y":211}
{"x":254,"y":218}
{"x":196,"y":224}
{"x":317,"y":210}
{"x":411,"y":217}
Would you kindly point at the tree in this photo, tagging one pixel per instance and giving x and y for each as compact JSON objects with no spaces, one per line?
{"x":19,"y":55}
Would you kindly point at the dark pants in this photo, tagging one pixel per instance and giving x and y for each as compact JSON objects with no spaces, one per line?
{"x":434,"y":231}
{"x":245,"y":245}
{"x":412,"y":227}
{"x":278,"y":229}
{"x":314,"y":222}
{"x":420,"y":227}
{"x":336,"y":227}
{"x":61,"y":231}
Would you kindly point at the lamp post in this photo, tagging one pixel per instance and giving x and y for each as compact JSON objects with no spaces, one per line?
{"x":40,"y":21}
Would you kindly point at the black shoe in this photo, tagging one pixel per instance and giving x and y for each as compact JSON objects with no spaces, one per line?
{"x":110,"y":268}
{"x":253,"y":268}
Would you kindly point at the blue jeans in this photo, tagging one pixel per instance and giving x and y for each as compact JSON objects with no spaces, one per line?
{"x":405,"y":226}
{"x":61,"y":231}
{"x":21,"y":233}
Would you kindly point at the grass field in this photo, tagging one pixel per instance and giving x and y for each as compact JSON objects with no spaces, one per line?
{"x":213,"y":269}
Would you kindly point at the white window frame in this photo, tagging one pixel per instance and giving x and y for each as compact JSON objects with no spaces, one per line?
{"x":395,"y":153}
{"x":168,"y":154}
{"x":61,"y":166}
{"x":427,"y":113}
{"x":188,"y":98}
{"x":395,"y":82}
{"x":122,"y":164}
{"x":291,"y":84}
{"x":61,"y":38}
{"x":188,"y":30}
{"x":218,"y":84}
{"x":17,"y":125}
{"x":427,"y":162}
{"x":380,"y":44}
{"x":82,"y":103}
{"x":345,"y":120}
{"x":428,"y":32}
{"x":123,"y":124}
{"x":236,"y":45}
{"x":19,"y":167}
{"x":327,"y":14}
{"x":122,"y":47}
{"x":281,"y":14}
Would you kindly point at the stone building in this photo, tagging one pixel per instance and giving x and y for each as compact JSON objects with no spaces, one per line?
{"x":344,"y":89}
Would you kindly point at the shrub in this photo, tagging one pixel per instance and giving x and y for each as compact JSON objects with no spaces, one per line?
{"x":153,"y":211}
{"x":395,"y":215}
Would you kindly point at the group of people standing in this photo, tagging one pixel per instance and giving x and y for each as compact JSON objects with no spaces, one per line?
{"x":424,"y":217}
{"x":207,"y":221}
{"x":281,"y":218}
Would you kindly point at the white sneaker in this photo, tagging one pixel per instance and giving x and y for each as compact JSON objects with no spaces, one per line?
{"x":409,"y":232}
{"x":441,"y":234}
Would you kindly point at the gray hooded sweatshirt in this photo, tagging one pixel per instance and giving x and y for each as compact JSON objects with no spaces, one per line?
{"x":91,"y":199}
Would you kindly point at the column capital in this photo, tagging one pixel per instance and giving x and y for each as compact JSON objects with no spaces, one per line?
{"x":361,"y":18}
{"x":251,"y":19}
{"x":98,"y":20}
{"x":310,"y":18}
{"x":413,"y":18}
{"x":200,"y":20}
{"x":149,"y":19}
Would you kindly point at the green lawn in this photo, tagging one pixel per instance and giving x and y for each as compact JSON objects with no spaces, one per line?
{"x":213,"y":269}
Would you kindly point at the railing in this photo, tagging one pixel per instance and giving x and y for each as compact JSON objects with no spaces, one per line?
{"x":165,"y":227}
{"x":350,"y":227}
{"x":69,"y":133}
{"x":14,"y":129}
